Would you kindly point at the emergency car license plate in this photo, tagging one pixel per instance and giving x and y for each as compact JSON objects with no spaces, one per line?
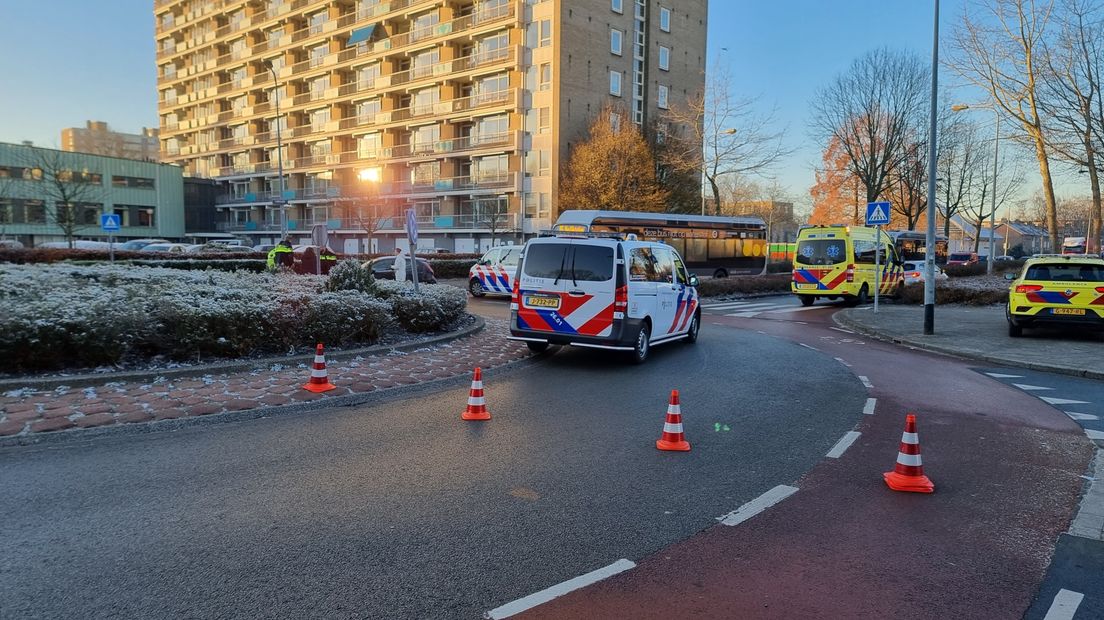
{"x":1072,"y":311}
{"x":540,"y":301}
{"x":805,"y":285}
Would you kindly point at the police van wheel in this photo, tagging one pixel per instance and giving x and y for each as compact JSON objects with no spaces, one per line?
{"x":641,"y":345}
{"x":476,"y":288}
{"x":695,"y":326}
{"x":537,"y":347}
{"x":807,"y":300}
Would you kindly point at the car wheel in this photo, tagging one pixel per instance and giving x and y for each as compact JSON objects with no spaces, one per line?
{"x":864,"y":296}
{"x":720,"y":273}
{"x":1014,"y":331}
{"x":695,"y":327}
{"x":807,"y":300}
{"x":475,"y":287}
{"x":537,"y":347}
{"x":642,"y":344}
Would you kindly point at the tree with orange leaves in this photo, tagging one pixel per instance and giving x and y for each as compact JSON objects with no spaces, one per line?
{"x":836,"y":192}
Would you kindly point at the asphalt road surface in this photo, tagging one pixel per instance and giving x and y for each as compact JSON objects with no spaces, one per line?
{"x":400,"y":510}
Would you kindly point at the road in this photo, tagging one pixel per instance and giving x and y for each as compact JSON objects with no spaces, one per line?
{"x":399,"y":509}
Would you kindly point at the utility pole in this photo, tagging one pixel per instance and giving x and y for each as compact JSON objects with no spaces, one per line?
{"x":929,"y":257}
{"x":279,"y":154}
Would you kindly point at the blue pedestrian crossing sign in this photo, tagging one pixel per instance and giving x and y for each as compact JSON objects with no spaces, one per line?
{"x":110,"y":222}
{"x":877,"y":214}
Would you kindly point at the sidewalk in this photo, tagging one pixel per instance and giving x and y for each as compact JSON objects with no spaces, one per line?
{"x":981,"y":333}
{"x":25,"y":413}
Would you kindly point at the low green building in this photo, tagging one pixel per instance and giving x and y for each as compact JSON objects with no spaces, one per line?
{"x":50,"y":195}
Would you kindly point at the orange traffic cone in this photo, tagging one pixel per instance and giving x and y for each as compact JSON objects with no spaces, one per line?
{"x":477,"y":406}
{"x":672,"y":438}
{"x":319,"y":380}
{"x":908,"y":474}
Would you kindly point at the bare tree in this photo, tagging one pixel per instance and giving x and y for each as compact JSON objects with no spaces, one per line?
{"x":370,"y":216}
{"x":908,"y":186}
{"x":727,"y":134}
{"x":979,"y":205}
{"x":1071,"y":92}
{"x":999,"y":51}
{"x":493,"y":215}
{"x":77,"y":194}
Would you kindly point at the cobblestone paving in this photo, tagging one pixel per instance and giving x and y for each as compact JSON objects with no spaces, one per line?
{"x":27,"y":411}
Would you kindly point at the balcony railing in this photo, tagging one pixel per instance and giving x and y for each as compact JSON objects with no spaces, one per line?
{"x":453,"y":145}
{"x":466,"y":220}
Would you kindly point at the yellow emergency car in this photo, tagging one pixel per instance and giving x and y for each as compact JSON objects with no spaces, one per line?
{"x":838,"y":261}
{"x":1057,"y":290}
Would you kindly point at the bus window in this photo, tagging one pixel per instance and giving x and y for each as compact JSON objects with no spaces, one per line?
{"x":696,"y":251}
{"x":678,"y":244}
{"x":722,"y":248}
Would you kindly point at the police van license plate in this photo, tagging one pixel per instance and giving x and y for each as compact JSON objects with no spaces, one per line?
{"x":541,"y":301}
{"x":1070,"y":311}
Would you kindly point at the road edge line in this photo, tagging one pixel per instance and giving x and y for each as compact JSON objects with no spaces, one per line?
{"x":868,"y":408}
{"x":843,"y":444}
{"x":1064,"y":606}
{"x":552,"y":592}
{"x":757,"y":505}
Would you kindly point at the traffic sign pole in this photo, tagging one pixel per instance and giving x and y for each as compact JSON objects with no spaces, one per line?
{"x":412,"y":237}
{"x":877,"y":215}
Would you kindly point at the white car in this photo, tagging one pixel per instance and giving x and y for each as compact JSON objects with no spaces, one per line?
{"x":162,"y":248}
{"x":914,"y":272}
{"x":613,"y":293}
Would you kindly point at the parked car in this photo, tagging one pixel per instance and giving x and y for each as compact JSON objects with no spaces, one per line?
{"x":383,"y":268}
{"x":1062,"y":290}
{"x":10,"y":244}
{"x":166,"y":248}
{"x":914,"y":272}
{"x":136,"y":245}
{"x":962,"y":258}
{"x":264,"y":247}
{"x":1005,"y":258}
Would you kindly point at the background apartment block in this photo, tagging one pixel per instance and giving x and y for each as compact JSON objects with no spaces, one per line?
{"x":147,"y":196}
{"x":99,"y":139}
{"x":461,"y":109}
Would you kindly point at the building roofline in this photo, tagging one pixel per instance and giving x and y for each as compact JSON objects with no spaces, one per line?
{"x":47,"y":148}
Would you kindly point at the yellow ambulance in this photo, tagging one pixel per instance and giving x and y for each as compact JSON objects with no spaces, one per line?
{"x":837,"y":261}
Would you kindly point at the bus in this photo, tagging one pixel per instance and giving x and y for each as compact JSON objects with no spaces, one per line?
{"x":912,"y":245}
{"x":710,"y":246}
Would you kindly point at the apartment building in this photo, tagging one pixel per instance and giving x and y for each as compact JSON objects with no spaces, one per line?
{"x":97,"y":138}
{"x":463,"y":110}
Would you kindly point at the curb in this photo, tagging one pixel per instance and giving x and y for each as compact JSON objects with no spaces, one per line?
{"x":843,"y":320}
{"x":50,"y":383}
{"x":72,"y":435}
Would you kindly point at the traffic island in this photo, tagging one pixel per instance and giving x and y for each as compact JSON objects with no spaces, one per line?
{"x":981,"y":333}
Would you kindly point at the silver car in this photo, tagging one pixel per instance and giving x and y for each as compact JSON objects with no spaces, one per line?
{"x":914,"y":272}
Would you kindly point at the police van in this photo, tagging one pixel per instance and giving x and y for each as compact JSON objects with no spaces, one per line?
{"x":839,"y":262}
{"x":493,"y":273}
{"x":604,"y":291}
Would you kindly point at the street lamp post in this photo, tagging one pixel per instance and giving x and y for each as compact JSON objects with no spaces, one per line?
{"x":929,"y":258}
{"x":993,"y":203}
{"x":279,"y":153}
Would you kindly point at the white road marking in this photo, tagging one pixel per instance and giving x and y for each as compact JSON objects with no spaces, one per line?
{"x":757,"y":505}
{"x":1082,"y":416}
{"x":843,"y":444}
{"x":558,"y":590}
{"x":842,"y":361}
{"x":1062,"y":401}
{"x":866,"y":382}
{"x":840,"y":329}
{"x":1094,"y":434}
{"x":868,"y":409}
{"x":1064,"y":606}
{"x":807,"y":346}
{"x":997,"y":375}
{"x":744,"y":306}
{"x":1031,"y":388}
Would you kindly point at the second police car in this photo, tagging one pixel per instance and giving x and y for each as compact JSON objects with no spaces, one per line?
{"x":493,"y":273}
{"x":605,"y":292}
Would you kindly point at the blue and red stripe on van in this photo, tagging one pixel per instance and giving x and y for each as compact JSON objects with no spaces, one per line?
{"x":813,"y":276}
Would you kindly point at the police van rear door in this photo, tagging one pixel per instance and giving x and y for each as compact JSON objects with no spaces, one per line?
{"x":567,"y":287}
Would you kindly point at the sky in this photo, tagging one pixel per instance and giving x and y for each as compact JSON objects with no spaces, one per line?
{"x":68,"y":61}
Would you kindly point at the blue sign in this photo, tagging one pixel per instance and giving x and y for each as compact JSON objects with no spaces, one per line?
{"x":877,"y":214}
{"x":411,"y":226}
{"x":110,"y":222}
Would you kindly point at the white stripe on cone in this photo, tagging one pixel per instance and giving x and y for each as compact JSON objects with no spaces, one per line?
{"x":319,"y":359}
{"x":674,"y":409}
{"x":477,"y":385}
{"x":910,"y":438}
{"x":672,"y":428}
{"x":318,"y":373}
{"x":912,"y":460}
{"x":476,"y":400}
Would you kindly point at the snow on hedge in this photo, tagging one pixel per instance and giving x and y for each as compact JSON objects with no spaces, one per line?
{"x":55,"y":316}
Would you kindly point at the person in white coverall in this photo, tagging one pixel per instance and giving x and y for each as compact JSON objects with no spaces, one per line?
{"x":400,"y":264}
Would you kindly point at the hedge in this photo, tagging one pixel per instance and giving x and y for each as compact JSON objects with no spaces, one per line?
{"x":950,"y":292}
{"x":771,"y":283}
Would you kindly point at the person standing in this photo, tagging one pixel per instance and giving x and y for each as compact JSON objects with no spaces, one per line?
{"x":401,"y":258}
{"x":280,"y":256}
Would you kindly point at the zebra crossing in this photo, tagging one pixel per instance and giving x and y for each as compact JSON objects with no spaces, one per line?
{"x":749,"y":308}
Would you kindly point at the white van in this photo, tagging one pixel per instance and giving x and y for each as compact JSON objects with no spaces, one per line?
{"x":493,"y":273}
{"x":603,"y":292}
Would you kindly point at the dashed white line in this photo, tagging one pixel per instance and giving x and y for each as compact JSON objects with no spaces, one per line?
{"x":757,"y":505}
{"x":807,"y":346}
{"x":560,"y":589}
{"x":1064,"y":606}
{"x":1062,"y":401}
{"x":843,"y":444}
{"x":1094,"y":434}
{"x":1082,"y":416}
{"x":868,"y":408}
{"x":997,"y":375}
{"x":840,"y":329}
{"x":866,"y":381}
{"x":1031,"y":388}
{"x":843,"y":361}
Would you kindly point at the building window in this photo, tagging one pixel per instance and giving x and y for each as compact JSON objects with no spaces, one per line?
{"x":617,"y":6}
{"x":422,"y":26}
{"x":545,"y":33}
{"x":368,"y":147}
{"x":665,"y":19}
{"x":317,"y":21}
{"x":425,"y":101}
{"x":318,"y":55}
{"x":661,"y":97}
{"x":367,"y":110}
{"x":546,"y":76}
{"x":615,"y":41}
{"x":141,"y":182}
{"x":545,"y":166}
{"x":545,"y":120}
{"x":318,"y":87}
{"x":664,"y":58}
{"x":615,"y":83}
{"x":423,"y":63}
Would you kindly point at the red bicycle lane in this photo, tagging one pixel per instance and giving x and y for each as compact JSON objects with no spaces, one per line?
{"x":1007,"y":473}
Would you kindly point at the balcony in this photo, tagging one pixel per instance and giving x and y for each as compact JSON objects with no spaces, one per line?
{"x":466,"y":220}
{"x":455,"y":145}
